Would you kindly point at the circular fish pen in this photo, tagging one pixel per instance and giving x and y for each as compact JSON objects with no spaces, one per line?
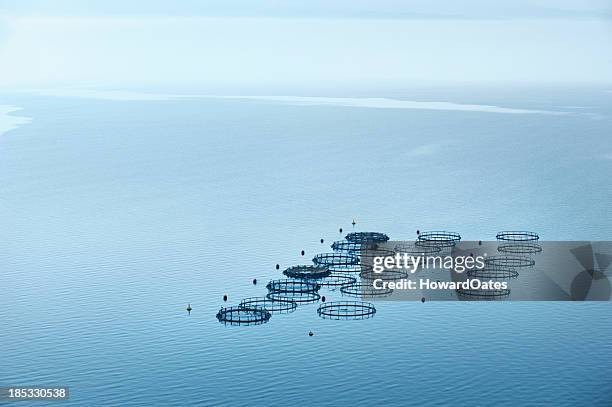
{"x":493,"y":273}
{"x":385,"y":275}
{"x":273,"y":306}
{"x":364,"y":290}
{"x":243,"y":316}
{"x":292,"y":286}
{"x":370,"y":254}
{"x":367,"y":237}
{"x":307,"y":272}
{"x":350,"y":247}
{"x":298,"y":297}
{"x":439,"y":238}
{"x":527,"y":248}
{"x":335,"y":259}
{"x":517,"y":236}
{"x":354,"y":268}
{"x":346,"y":310}
{"x":336,"y":280}
{"x":417,"y":249}
{"x":509,"y":261}
{"x":480,"y":294}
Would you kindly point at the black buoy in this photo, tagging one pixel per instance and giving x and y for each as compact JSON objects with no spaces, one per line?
{"x":418,"y":232}
{"x":189,"y":308}
{"x":323,"y":299}
{"x":254,"y":281}
{"x":310,"y":333}
{"x":322,"y":241}
{"x":277,"y":266}
{"x":225,"y":297}
{"x":340,"y":230}
{"x":303,"y":252}
{"x":480,"y":243}
{"x":423,"y":299}
{"x":353,"y":223}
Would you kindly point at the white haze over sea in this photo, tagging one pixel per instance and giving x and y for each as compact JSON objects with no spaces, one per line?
{"x":9,"y":121}
{"x":368,"y":102}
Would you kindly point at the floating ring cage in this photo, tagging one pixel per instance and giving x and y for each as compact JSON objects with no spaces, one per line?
{"x":353,"y":268}
{"x":366,"y":237}
{"x":292,"y":286}
{"x":307,"y":272}
{"x":243,"y":316}
{"x":417,"y":249}
{"x":370,"y":254}
{"x":346,"y":310}
{"x":480,"y":294}
{"x":439,"y":238}
{"x":519,"y":248}
{"x":385,"y":275}
{"x":335,"y":259}
{"x":336,"y":280}
{"x":273,"y":306}
{"x":509,"y":261}
{"x":517,"y":236}
{"x":364,"y":290}
{"x":493,"y":273}
{"x":298,"y":297}
{"x":351,"y":247}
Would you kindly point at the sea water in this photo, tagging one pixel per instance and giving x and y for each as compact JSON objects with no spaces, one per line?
{"x":115,"y":213}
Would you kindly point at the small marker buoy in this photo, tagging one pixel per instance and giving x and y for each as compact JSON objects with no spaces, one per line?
{"x":323,"y":299}
{"x":189,"y":308}
{"x":423,"y":299}
{"x":418,"y":232}
{"x":225,"y":297}
{"x":303,"y":253}
{"x":480,"y":243}
{"x":322,"y":240}
{"x":340,"y":230}
{"x":471,"y":254}
{"x":353,"y":223}
{"x":277,"y":266}
{"x":310,"y":333}
{"x":254,"y":281}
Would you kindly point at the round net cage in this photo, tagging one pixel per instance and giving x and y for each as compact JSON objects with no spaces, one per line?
{"x":346,"y":310}
{"x":481,"y":294}
{"x":517,"y":236}
{"x":370,"y":254}
{"x":336,"y":280}
{"x":350,"y":247}
{"x":385,"y":275}
{"x":417,"y":249}
{"x":509,"y":261}
{"x":366,"y":237}
{"x":266,"y":304}
{"x":364,"y":290}
{"x":307,"y":272}
{"x":527,"y":248}
{"x":292,"y":286}
{"x":352,"y":268}
{"x":335,"y":259}
{"x":439,"y":238}
{"x":243,"y":316}
{"x":493,"y":273}
{"x":298,"y":297}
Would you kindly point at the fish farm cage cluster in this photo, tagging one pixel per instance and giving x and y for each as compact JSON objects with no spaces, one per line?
{"x":347,"y":269}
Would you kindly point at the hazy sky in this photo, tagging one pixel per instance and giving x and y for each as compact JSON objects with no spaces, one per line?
{"x":280,"y":43}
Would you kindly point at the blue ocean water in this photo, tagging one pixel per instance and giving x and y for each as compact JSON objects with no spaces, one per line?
{"x":115,"y":214}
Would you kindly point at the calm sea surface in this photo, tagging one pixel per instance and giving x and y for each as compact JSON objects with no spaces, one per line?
{"x":115,"y":214}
